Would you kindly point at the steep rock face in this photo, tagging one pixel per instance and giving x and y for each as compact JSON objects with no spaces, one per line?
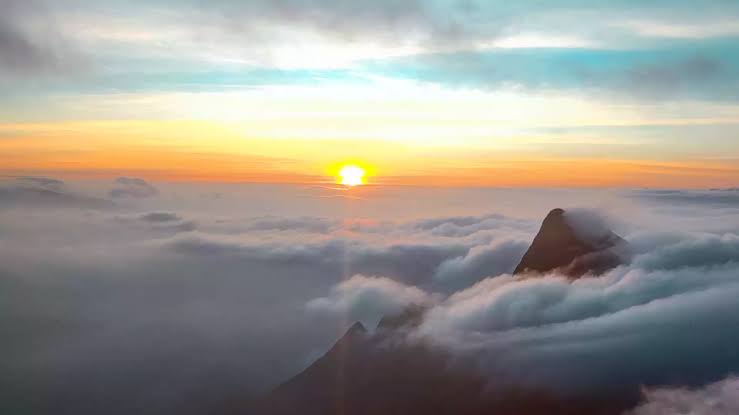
{"x":560,"y":247}
{"x":375,"y":374}
{"x":322,"y":387}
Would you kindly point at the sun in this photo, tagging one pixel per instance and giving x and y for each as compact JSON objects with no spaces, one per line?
{"x":351,"y":175}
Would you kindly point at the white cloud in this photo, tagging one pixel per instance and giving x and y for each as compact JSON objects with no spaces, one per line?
{"x":620,"y":329}
{"x":720,"y":398}
{"x":368,"y":299}
{"x":479,"y":262}
{"x":96,"y":299}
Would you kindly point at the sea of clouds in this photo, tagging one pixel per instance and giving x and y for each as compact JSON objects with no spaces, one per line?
{"x":134,"y":297}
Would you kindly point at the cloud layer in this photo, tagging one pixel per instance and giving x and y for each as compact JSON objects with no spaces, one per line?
{"x":182,"y":301}
{"x":617,"y":330}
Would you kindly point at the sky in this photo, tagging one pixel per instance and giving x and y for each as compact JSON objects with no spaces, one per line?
{"x":436,"y":93}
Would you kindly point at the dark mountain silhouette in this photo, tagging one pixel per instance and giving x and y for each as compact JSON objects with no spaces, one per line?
{"x":372,"y":374}
{"x":386,"y":372}
{"x":382,"y":373}
{"x":559,"y":246}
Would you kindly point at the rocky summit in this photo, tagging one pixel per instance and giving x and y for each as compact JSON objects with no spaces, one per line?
{"x":572,"y":248}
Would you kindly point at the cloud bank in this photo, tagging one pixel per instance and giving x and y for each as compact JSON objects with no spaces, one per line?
{"x":181,"y":302}
{"x":647,"y":323}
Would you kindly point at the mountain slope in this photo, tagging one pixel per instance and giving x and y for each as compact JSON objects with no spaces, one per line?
{"x":383,"y":373}
{"x":373,"y":374}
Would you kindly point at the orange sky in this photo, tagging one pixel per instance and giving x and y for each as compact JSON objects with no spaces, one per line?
{"x":212,"y":151}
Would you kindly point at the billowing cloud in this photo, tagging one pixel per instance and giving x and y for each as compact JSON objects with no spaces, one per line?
{"x":368,"y":299}
{"x":457,"y":226}
{"x":411,"y":263}
{"x":708,"y":250}
{"x":621,"y":329}
{"x":481,"y":261}
{"x":719,"y":398}
{"x":589,"y":225}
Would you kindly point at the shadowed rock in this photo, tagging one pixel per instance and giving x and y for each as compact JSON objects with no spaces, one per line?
{"x":560,"y":246}
{"x":410,"y":317}
{"x":386,"y":373}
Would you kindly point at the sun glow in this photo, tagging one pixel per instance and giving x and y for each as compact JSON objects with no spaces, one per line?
{"x":351,"y":175}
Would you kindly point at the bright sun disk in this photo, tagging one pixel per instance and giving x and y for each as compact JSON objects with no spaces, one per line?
{"x":351,"y":175}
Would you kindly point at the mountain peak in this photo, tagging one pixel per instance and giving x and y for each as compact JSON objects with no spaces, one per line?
{"x":357,"y":327}
{"x":355,"y":334}
{"x":555,"y":212}
{"x":574,"y":246}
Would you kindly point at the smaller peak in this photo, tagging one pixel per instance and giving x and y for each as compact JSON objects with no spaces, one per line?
{"x":410,"y":317}
{"x":575,"y":242}
{"x":555,"y":222}
{"x":357,"y":328}
{"x":355,"y":333}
